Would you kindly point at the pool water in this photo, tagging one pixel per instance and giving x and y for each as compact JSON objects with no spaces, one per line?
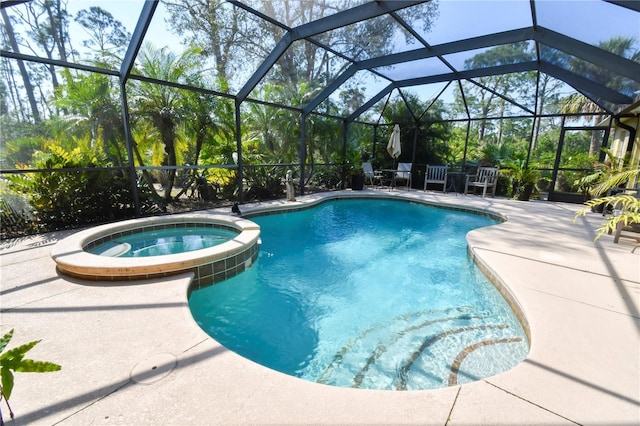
{"x":164,"y":241}
{"x":376,"y":294}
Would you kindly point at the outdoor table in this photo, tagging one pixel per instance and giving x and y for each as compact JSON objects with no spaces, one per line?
{"x":392,"y":180}
{"x":452,"y":179}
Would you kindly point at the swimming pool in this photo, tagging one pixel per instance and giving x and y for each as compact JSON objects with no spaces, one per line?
{"x":377,"y":294}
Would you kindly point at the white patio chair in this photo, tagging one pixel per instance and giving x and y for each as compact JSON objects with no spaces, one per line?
{"x":404,"y":173}
{"x":372,"y":175}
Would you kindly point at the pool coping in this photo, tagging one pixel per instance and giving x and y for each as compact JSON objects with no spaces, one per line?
{"x":580,"y":297}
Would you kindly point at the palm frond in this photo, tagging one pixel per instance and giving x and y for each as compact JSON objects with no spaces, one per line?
{"x":627,"y":205}
{"x":615,"y":180}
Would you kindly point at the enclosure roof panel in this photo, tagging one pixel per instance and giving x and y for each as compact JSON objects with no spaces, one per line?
{"x":325,"y":48}
{"x":305,"y":12}
{"x":592,"y":22}
{"x":463,"y":19}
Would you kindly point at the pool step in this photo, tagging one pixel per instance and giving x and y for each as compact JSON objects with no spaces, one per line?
{"x":418,"y":351}
{"x":403,"y":376}
{"x":367,"y":338}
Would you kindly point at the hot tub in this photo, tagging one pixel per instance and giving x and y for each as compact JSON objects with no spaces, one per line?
{"x":209,"y":265}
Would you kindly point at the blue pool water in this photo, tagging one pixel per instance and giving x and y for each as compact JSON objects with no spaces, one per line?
{"x":366,"y":293}
{"x":164,"y":241}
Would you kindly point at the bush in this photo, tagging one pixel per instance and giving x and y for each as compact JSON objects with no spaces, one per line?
{"x":264,"y":183}
{"x":62,"y":199}
{"x":16,"y":220}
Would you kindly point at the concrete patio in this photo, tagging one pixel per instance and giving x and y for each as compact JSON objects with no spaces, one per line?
{"x":132,"y":354}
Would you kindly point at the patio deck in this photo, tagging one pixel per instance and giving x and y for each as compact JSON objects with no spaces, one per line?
{"x":132,"y":354}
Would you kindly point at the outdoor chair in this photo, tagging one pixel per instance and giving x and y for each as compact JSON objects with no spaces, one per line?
{"x":404,"y":173}
{"x":436,"y":175}
{"x":372,"y":175}
{"x":485,"y":178}
{"x":630,"y":231}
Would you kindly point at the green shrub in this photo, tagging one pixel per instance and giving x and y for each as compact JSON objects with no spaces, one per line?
{"x":67,"y":198}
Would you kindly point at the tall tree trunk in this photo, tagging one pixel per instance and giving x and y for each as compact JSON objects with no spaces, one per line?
{"x":594,"y":146}
{"x":200,"y":137}
{"x":536,"y":132}
{"x":536,"y":119}
{"x":13,"y":91}
{"x":485,"y":108}
{"x":171,"y":154}
{"x":57,"y":30}
{"x":501,"y":121}
{"x":166,"y":126}
{"x":481,"y":131}
{"x":23,"y":70}
{"x":146,"y":176}
{"x":57,"y":36}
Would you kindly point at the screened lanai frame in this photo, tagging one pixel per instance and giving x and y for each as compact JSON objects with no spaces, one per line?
{"x":536,"y":25}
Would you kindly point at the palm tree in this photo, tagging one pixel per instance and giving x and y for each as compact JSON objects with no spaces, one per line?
{"x":165,"y":106}
{"x":201,"y":124}
{"x":264,"y":124}
{"x":93,"y":100}
{"x":577,"y":103}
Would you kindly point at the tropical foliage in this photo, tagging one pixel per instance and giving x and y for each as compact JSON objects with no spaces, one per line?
{"x":524,"y":177}
{"x":84,"y":196}
{"x":14,"y":360}
{"x":625,"y":206}
{"x":66,"y":145}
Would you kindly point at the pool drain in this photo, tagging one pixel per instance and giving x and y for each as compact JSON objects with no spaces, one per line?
{"x":154,"y":368}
